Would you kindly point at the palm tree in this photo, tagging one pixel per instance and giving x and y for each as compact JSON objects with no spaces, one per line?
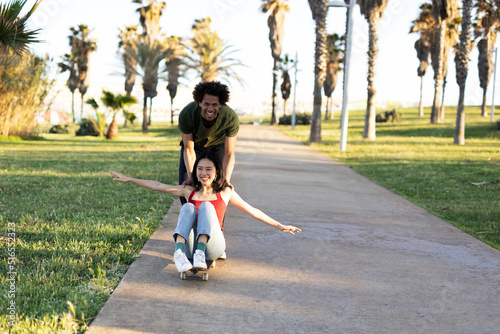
{"x":69,"y":63}
{"x":116,"y":103}
{"x":462,"y":60}
{"x":335,"y":48}
{"x":486,"y":26}
{"x":127,"y":38}
{"x":373,"y":11}
{"x":148,"y":55}
{"x":150,"y":22}
{"x":426,"y":26}
{"x":174,"y":69}
{"x":14,"y":34}
{"x":150,"y":17}
{"x":443,"y":11}
{"x":276,"y":24}
{"x":319,"y":10}
{"x":82,"y":46}
{"x":209,"y":54}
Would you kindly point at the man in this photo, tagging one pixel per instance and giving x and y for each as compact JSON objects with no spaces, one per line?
{"x":208,"y":123}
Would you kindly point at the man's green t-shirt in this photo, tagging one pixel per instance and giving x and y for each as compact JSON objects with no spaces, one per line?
{"x":227,"y":124}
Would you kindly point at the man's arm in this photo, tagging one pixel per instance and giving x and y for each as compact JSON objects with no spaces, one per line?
{"x":229,"y":158}
{"x":189,"y":154}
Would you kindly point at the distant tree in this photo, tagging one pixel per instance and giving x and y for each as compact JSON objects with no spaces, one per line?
{"x":319,"y":9}
{"x":443,"y":11}
{"x":69,"y":63}
{"x":209,"y":54}
{"x":276,"y":24}
{"x":148,"y":55}
{"x":426,"y":26}
{"x":335,"y":45}
{"x":14,"y":34}
{"x":116,"y":103}
{"x":149,"y":51}
{"x":128,"y":37}
{"x":150,"y":17}
{"x":373,"y":11}
{"x":462,"y":60}
{"x":174,"y":62}
{"x":82,"y":45}
{"x":487,"y":21}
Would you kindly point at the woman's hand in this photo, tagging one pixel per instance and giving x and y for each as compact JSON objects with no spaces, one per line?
{"x":119,"y":177}
{"x":290,"y":229}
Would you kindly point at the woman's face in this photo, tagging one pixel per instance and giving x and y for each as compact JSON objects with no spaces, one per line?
{"x":205,"y":172}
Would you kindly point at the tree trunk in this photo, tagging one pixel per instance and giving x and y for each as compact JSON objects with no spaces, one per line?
{"x":73,"y":106}
{"x":442,"y":108}
{"x":113,"y":129}
{"x":125,"y":124}
{"x":171,"y":111}
{"x":275,"y":83}
{"x":438,"y":75}
{"x":319,"y":76}
{"x":145,"y":115}
{"x":460,"y":125}
{"x":150,"y":110}
{"x":420,"y":104}
{"x":369,"y":129}
{"x":81,"y":106}
{"x":331,"y":108}
{"x":326,"y":109}
{"x":462,"y":62}
{"x":484,"y":111}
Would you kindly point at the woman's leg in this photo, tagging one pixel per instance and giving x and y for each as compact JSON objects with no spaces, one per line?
{"x":187,"y":218}
{"x":209,"y":230}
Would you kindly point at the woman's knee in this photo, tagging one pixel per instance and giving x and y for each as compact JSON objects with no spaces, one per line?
{"x":188,"y":208}
{"x":206,"y":206}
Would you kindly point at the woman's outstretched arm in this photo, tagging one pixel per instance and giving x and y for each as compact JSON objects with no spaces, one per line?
{"x":178,"y":191}
{"x":239,"y":203}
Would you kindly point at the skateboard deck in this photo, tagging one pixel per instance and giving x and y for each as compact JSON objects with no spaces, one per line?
{"x":198,"y":273}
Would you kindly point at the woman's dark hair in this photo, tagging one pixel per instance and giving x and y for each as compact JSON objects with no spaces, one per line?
{"x":220,"y":181}
{"x":214,"y":88}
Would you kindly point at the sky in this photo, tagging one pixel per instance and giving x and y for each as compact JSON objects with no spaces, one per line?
{"x":243,"y":26}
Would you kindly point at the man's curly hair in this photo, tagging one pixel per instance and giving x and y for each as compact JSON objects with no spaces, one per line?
{"x":214,"y":88}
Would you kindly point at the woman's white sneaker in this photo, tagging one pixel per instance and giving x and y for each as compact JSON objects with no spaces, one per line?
{"x":181,"y":261}
{"x":199,"y":260}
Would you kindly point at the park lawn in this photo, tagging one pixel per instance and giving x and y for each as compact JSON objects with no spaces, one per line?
{"x":419,"y":161}
{"x":76,"y":232}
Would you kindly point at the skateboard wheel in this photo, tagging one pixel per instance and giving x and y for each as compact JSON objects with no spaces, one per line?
{"x":205,"y":277}
{"x":184,"y":275}
{"x":213,"y":265}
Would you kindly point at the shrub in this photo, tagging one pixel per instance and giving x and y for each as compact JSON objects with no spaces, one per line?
{"x":24,"y":85}
{"x":87,"y":128}
{"x":389,"y":115}
{"x":300,"y":119}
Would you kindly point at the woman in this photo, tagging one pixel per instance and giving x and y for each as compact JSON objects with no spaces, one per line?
{"x":199,"y":225}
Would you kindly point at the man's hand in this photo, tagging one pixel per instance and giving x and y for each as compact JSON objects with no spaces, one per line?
{"x":188,"y":182}
{"x":228,"y":184}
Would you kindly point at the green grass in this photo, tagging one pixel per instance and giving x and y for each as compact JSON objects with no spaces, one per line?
{"x":76,"y":231}
{"x":419,"y":161}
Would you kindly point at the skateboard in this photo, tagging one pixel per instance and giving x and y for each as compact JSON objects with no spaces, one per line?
{"x":195,"y":272}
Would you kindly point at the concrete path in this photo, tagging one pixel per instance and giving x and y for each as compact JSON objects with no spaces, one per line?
{"x":367,"y":261}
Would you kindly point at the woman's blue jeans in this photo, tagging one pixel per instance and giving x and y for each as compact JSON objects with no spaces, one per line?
{"x":206,"y":222}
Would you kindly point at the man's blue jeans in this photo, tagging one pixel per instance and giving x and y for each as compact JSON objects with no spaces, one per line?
{"x":191,"y":224}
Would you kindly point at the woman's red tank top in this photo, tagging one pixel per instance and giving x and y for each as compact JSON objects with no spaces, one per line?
{"x":219,"y":205}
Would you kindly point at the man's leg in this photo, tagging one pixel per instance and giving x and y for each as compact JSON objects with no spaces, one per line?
{"x":182,"y":171}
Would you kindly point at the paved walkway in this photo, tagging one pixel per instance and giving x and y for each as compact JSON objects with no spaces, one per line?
{"x":367,"y":261}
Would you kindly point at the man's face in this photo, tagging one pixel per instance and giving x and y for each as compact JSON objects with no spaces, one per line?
{"x":209,"y":107}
